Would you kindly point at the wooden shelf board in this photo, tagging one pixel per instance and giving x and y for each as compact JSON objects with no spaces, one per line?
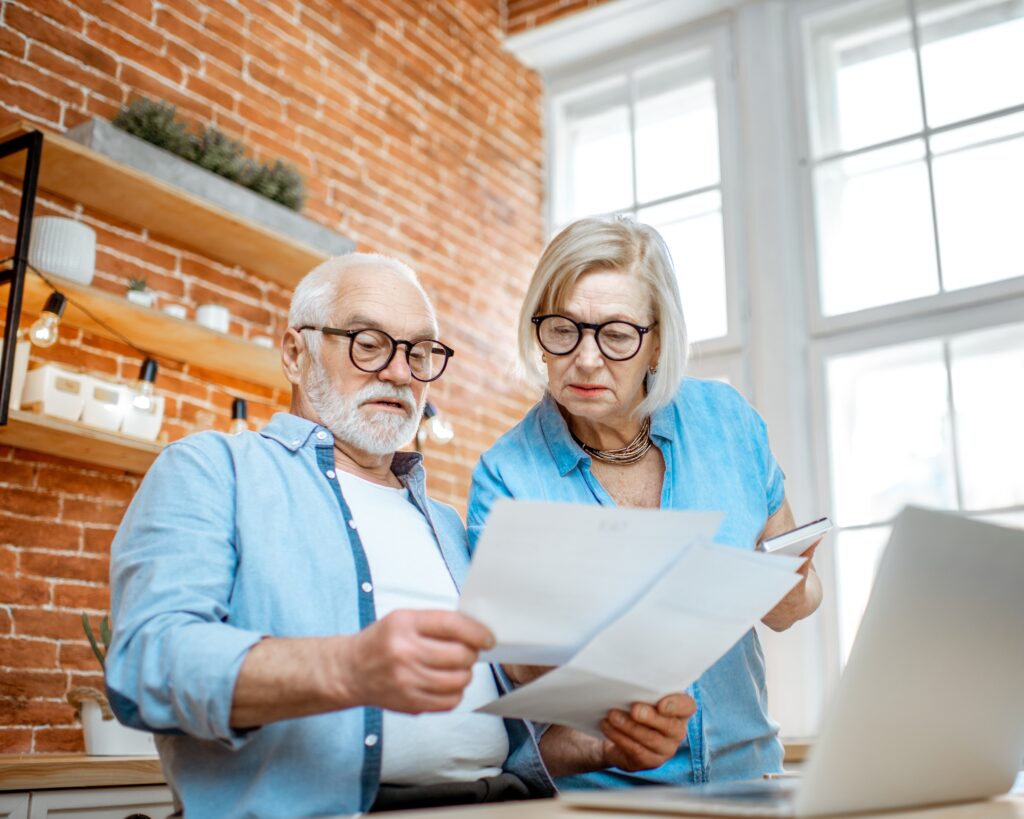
{"x":70,"y":439}
{"x":157,"y":332}
{"x":85,"y":176}
{"x":40,"y":771}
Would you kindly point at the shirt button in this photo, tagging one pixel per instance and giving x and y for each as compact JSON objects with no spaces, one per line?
{"x":321,"y":435}
{"x":351,"y":524}
{"x":330,"y":473}
{"x":296,"y":442}
{"x":371,"y":740}
{"x":367,"y":587}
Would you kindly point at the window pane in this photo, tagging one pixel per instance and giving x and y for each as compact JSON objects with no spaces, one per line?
{"x":598,"y":172}
{"x":890,"y":432}
{"x":988,"y":394}
{"x":857,"y":557}
{"x":972,"y":57}
{"x":676,"y":129}
{"x":979,"y":201}
{"x":862,"y":74}
{"x":1011,"y":520}
{"x":875,"y":238}
{"x":692,"y":228}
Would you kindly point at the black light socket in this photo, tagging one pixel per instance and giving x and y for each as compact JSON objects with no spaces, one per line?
{"x":239,"y":410}
{"x":147,"y":372}
{"x":55,"y":303}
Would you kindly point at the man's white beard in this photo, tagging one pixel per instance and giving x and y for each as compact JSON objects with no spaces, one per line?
{"x":383,"y":433}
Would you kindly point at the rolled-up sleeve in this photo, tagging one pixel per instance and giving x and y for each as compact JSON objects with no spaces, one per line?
{"x":175,"y":657}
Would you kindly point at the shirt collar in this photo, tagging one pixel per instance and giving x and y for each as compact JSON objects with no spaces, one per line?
{"x":564,"y":449}
{"x":293,"y":432}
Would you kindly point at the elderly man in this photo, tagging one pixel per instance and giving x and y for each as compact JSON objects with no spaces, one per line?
{"x":283,"y":601}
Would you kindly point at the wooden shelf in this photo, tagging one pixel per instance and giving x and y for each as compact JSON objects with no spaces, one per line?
{"x":35,"y":772}
{"x":83,"y":175}
{"x":70,"y":439}
{"x":157,"y":332}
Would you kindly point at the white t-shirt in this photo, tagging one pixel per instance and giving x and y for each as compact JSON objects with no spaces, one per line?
{"x":409,"y":572}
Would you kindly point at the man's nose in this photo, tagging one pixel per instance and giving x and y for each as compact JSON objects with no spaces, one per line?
{"x":397,"y":371}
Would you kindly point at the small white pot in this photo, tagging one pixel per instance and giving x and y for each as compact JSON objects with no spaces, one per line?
{"x":214,"y":316}
{"x":108,"y":737}
{"x":144,"y":298}
{"x":63,"y":247}
{"x":176,"y":310}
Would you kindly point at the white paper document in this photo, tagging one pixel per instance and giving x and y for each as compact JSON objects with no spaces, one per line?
{"x":621,"y":633}
{"x":547,"y":577}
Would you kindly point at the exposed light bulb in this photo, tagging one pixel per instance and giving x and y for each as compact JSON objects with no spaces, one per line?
{"x":143,"y":398}
{"x":440,"y":430}
{"x":46,"y":329}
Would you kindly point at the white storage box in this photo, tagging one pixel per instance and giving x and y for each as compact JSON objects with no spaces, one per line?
{"x":144,"y":423}
{"x":106,"y":403}
{"x":55,"y":391}
{"x":20,"y":369}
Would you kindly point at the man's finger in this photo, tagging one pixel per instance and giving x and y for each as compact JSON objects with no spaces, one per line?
{"x":680,"y":706}
{"x":649,"y":716}
{"x":634,"y":755}
{"x":447,"y":654}
{"x":440,"y":683}
{"x":450,"y":625}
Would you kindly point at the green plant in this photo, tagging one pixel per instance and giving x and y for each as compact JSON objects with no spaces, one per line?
{"x":157,"y":123}
{"x":101,"y":655}
{"x":138,"y":285}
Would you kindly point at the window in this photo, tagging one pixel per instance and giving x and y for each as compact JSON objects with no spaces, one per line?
{"x":643,"y":138}
{"x":917,"y":147}
{"x":915,"y":139}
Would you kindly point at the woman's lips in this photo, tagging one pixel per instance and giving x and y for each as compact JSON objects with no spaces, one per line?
{"x":587,"y":390}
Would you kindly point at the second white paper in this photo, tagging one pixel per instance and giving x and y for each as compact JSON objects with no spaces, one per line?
{"x":689,"y":618}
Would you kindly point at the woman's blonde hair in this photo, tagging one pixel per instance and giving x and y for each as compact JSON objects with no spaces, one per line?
{"x":619,"y":244}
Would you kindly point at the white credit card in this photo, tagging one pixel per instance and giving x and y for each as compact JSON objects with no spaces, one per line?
{"x":796,"y":541}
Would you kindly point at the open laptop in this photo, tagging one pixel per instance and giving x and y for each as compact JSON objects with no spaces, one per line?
{"x":930,"y":708}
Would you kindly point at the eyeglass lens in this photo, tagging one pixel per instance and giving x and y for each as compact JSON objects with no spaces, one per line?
{"x":616,"y":339}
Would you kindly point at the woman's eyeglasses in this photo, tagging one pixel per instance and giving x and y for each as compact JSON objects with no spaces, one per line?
{"x":617,"y":340}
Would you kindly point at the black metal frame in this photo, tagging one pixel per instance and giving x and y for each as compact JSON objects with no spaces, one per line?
{"x":32,"y":143}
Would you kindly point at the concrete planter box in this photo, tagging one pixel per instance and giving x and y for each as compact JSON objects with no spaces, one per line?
{"x":102,"y":137}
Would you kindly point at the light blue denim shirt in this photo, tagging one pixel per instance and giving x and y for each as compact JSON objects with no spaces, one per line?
{"x":717,"y":458}
{"x":229,"y":539}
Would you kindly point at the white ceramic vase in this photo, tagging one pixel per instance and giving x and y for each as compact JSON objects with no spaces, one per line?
{"x":63,"y":247}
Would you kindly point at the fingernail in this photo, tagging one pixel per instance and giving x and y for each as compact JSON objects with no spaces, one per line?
{"x":616,"y":718}
{"x":641,"y":712}
{"x":669,"y":707}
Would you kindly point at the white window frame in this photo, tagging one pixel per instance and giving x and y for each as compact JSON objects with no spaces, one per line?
{"x":715,"y":36}
{"x":938,"y":316}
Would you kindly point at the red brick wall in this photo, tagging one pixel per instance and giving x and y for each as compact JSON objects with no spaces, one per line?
{"x":522,"y":15}
{"x":418,"y":137}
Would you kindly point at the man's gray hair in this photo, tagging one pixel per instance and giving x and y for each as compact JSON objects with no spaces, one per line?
{"x":617,"y":244}
{"x":316,"y":297}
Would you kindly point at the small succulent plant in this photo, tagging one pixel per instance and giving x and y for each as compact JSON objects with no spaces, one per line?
{"x":138,"y":285}
{"x":101,"y":654}
{"x":157,"y":123}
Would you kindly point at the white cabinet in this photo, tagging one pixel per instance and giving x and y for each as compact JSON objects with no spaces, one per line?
{"x":96,"y":803}
{"x":14,"y":806}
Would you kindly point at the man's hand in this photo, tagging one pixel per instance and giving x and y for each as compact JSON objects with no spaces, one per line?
{"x":412,"y":661}
{"x":649,"y":735}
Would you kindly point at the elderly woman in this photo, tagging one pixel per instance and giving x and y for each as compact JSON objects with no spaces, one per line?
{"x":602,"y":329}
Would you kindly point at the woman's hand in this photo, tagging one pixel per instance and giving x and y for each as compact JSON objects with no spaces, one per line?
{"x":649,"y":735}
{"x":522,"y":674}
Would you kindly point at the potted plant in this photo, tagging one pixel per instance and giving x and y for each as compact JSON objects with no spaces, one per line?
{"x":104,"y":735}
{"x":139,"y":293}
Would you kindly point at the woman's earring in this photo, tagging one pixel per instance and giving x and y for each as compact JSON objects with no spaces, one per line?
{"x":653,"y":369}
{"x":544,"y":357}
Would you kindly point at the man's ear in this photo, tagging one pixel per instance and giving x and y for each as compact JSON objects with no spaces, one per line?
{"x":293,"y":351}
